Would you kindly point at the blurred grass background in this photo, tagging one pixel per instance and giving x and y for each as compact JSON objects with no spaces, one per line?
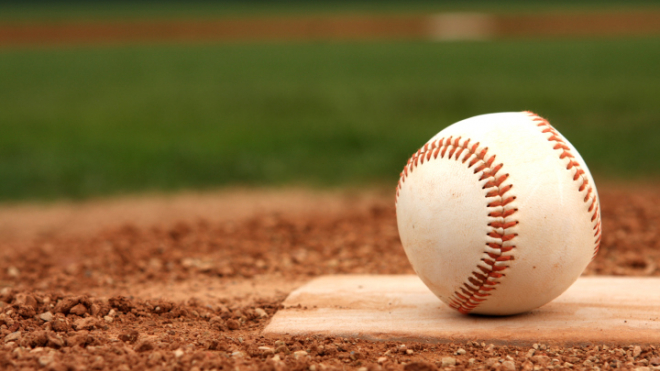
{"x":57,"y":10}
{"x":87,"y":121}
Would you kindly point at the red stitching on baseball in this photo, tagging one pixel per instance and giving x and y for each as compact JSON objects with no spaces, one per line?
{"x":590,"y":196}
{"x":485,"y":277}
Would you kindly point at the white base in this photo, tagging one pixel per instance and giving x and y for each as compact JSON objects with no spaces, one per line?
{"x":399,"y":307}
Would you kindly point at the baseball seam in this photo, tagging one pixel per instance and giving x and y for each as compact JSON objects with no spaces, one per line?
{"x":578,"y":176}
{"x":499,"y":249}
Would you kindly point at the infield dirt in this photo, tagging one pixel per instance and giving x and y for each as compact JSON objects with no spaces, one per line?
{"x":189,"y":281}
{"x":347,"y":27}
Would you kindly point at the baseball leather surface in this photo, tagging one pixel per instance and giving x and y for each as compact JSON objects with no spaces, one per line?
{"x":498,"y":214}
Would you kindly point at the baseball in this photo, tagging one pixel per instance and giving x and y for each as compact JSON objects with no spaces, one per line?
{"x":498,"y":214}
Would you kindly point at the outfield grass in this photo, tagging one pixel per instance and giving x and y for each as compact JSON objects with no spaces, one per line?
{"x":84,"y":122}
{"x":125,"y":10}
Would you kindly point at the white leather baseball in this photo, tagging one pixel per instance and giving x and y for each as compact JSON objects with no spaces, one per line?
{"x":498,"y":213}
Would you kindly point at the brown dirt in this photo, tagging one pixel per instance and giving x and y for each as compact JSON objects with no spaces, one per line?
{"x":193,"y":288}
{"x":339,"y":27}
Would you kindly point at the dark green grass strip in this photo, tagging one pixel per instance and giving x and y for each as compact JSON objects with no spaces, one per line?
{"x":84,"y":122}
{"x":21,"y":11}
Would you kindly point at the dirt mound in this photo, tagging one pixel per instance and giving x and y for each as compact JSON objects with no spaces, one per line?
{"x":192,"y":292}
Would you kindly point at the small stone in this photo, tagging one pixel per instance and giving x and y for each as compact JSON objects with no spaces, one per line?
{"x":637,"y":350}
{"x":471,"y":361}
{"x":13,"y":272}
{"x":362,"y":369}
{"x":54,"y":340}
{"x":78,"y":310}
{"x":509,"y":365}
{"x":409,"y":351}
{"x":460,"y":352}
{"x":535,"y":346}
{"x":217,"y":323}
{"x":238,"y":354}
{"x":276,"y":358}
{"x":6,"y":294}
{"x":155,"y":358}
{"x":642,"y":369}
{"x":46,"y":316}
{"x":65,"y":305}
{"x":129,"y":336}
{"x":108,"y":319}
{"x":214,"y":345}
{"x":448,"y":361}
{"x":655,"y":361}
{"x":35,"y":339}
{"x":78,"y":338}
{"x":88,"y":323}
{"x":490,"y":362}
{"x":419,"y":366}
{"x":233,"y":324}
{"x":121,"y":303}
{"x":299,"y":353}
{"x":25,"y":299}
{"x":26,"y":311}
{"x":267,"y":350}
{"x":45,"y":360}
{"x":490,"y":348}
{"x":568,"y":365}
{"x":530,"y":353}
{"x":60,"y":325}
{"x":143,"y":346}
{"x":261,"y":313}
{"x":98,"y":363}
{"x":178,"y":353}
{"x":14,"y":336}
{"x":381,"y":359}
{"x":6,"y":320}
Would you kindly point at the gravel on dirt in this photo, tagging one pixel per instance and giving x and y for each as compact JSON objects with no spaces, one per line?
{"x":78,"y":302}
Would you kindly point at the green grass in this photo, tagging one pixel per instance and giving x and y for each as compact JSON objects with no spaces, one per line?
{"x":83,"y":122}
{"x":122,"y":10}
